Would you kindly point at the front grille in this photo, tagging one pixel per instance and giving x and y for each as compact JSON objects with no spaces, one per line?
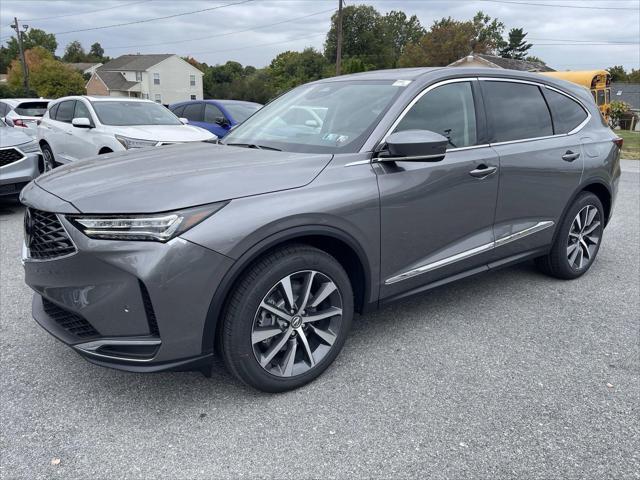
{"x":45,"y":236}
{"x":9,"y":155}
{"x":71,"y":322}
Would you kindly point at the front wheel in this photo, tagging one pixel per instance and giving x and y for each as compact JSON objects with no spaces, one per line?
{"x":287,"y":319}
{"x":578,"y":239}
{"x":48,"y":160}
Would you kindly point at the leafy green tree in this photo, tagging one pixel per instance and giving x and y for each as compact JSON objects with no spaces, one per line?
{"x":48,"y":77}
{"x":74,"y":53}
{"x":534,"y":59}
{"x":34,"y":37}
{"x":618,"y":73}
{"x":290,"y":69}
{"x":634,"y":76}
{"x":516,"y":47}
{"x":363,"y":36}
{"x":488,"y":34}
{"x":400,"y":31}
{"x":96,"y":52}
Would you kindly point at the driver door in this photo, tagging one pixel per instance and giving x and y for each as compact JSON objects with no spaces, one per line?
{"x":437,"y":217}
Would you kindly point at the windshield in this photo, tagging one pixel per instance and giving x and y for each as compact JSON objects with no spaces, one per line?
{"x":32,"y":109}
{"x":241,"y":111}
{"x":134,"y":113}
{"x":332,"y":117}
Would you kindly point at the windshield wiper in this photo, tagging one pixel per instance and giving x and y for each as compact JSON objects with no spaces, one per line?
{"x":253,"y":145}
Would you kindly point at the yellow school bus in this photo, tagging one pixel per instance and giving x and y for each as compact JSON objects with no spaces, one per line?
{"x":598,"y":81}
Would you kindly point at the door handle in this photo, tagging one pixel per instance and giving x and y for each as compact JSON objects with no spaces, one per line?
{"x":483,"y":171}
{"x":569,"y":156}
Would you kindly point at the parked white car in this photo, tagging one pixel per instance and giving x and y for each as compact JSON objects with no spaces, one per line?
{"x":23,"y":113}
{"x":20,"y":160}
{"x":79,"y":127}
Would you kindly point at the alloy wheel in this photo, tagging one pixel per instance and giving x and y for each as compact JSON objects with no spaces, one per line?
{"x":297,"y":323}
{"x":584,"y":236}
{"x":47,"y":160}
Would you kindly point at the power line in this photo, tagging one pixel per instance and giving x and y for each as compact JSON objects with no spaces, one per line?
{"x":84,"y":13}
{"x":254,"y":46}
{"x":608,"y":42}
{"x":154,"y":19}
{"x":508,"y":2}
{"x":220,"y":34}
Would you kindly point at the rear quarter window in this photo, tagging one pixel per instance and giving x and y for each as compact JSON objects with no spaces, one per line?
{"x":567,"y":113}
{"x":53,"y":110}
{"x":516,"y":111}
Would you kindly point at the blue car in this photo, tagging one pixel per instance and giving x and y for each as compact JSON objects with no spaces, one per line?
{"x":217,"y":116}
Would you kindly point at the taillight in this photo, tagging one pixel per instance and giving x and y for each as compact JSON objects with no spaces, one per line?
{"x":618,"y":141}
{"x":19,"y":123}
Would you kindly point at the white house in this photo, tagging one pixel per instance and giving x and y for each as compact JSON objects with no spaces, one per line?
{"x":163,"y":78}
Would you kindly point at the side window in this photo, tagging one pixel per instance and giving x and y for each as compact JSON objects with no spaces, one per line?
{"x":567,"y":113}
{"x":447,"y":110}
{"x":193,"y":112}
{"x":192,"y":80}
{"x":53,"y":110}
{"x":82,"y":111}
{"x":211,"y":112}
{"x":158,"y":98}
{"x":156,"y":79}
{"x":516,"y":111}
{"x":138,"y":76}
{"x":65,"y":111}
{"x":178,"y":110}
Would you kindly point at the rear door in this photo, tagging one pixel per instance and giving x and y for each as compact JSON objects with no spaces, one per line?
{"x":212,"y":116}
{"x":80,"y":142}
{"x":57,"y":129}
{"x":437,"y":217}
{"x":540,"y":167}
{"x":194,"y":112}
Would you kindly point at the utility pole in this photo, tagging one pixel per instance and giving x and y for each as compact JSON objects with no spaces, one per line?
{"x":25,"y":71}
{"x":339,"y":40}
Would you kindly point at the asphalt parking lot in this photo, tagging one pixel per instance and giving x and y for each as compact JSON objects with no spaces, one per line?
{"x":505,"y":375}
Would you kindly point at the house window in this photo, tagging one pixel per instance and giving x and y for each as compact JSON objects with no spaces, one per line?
{"x":193,"y":97}
{"x":138,"y":76}
{"x":192,"y":80}
{"x":156,"y":79}
{"x":158,"y":98}
{"x":145,"y":96}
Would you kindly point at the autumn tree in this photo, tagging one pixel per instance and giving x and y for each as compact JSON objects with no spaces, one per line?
{"x":34,"y":37}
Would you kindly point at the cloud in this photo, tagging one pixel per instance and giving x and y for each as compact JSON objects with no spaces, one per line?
{"x":549,"y":28}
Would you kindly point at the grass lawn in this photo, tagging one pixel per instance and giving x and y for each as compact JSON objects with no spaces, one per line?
{"x":631,"y":145}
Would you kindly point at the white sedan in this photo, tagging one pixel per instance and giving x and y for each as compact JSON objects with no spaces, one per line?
{"x":80,"y":127}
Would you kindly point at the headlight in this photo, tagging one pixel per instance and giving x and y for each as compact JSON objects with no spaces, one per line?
{"x":30,"y":147}
{"x":135,"y":142}
{"x":160,"y":227}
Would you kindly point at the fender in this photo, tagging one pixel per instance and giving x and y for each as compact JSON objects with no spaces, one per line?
{"x":579,"y":189}
{"x":224,"y":288}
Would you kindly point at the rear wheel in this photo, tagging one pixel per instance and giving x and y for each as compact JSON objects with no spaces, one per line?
{"x":577,"y":241}
{"x":48,"y":160}
{"x":287,"y":319}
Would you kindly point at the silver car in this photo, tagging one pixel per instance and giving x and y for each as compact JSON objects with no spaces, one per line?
{"x":261,"y":249}
{"x":20,"y":160}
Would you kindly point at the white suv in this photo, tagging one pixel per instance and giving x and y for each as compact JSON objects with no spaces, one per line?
{"x":79,"y":127}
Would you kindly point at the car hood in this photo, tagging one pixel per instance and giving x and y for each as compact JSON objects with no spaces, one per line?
{"x":11,"y":137}
{"x":172,"y":177}
{"x":165,"y":133}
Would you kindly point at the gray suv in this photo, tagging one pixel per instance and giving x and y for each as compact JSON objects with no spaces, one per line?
{"x":338,"y":197}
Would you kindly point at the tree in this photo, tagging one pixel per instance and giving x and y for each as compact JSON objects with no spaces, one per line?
{"x":634,"y":76}
{"x":618,"y":73}
{"x":32,"y":38}
{"x":516,"y":47}
{"x":74,"y":53}
{"x":363,"y":36}
{"x":488,"y":33}
{"x":290,"y":69}
{"x":400,"y":31}
{"x":48,"y":76}
{"x":534,"y":59}
{"x":96,"y":52}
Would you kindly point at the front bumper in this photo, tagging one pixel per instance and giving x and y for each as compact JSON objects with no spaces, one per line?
{"x":138,"y":306}
{"x":16,"y":175}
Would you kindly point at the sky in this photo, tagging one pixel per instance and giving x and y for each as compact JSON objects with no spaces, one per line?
{"x":567,"y":34}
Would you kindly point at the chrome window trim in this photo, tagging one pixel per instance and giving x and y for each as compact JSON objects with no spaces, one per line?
{"x":540,"y":85}
{"x":428,"y":267}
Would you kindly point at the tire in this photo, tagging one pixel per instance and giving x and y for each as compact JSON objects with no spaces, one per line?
{"x":48,"y":160}
{"x":302,"y":352}
{"x":577,"y":241}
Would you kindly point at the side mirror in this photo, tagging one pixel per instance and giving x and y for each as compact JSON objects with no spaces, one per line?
{"x":415,"y":146}
{"x":223,"y":122}
{"x":81,"y":122}
{"x":184,"y":120}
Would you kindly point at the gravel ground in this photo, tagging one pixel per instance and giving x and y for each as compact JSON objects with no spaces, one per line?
{"x":508,"y":374}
